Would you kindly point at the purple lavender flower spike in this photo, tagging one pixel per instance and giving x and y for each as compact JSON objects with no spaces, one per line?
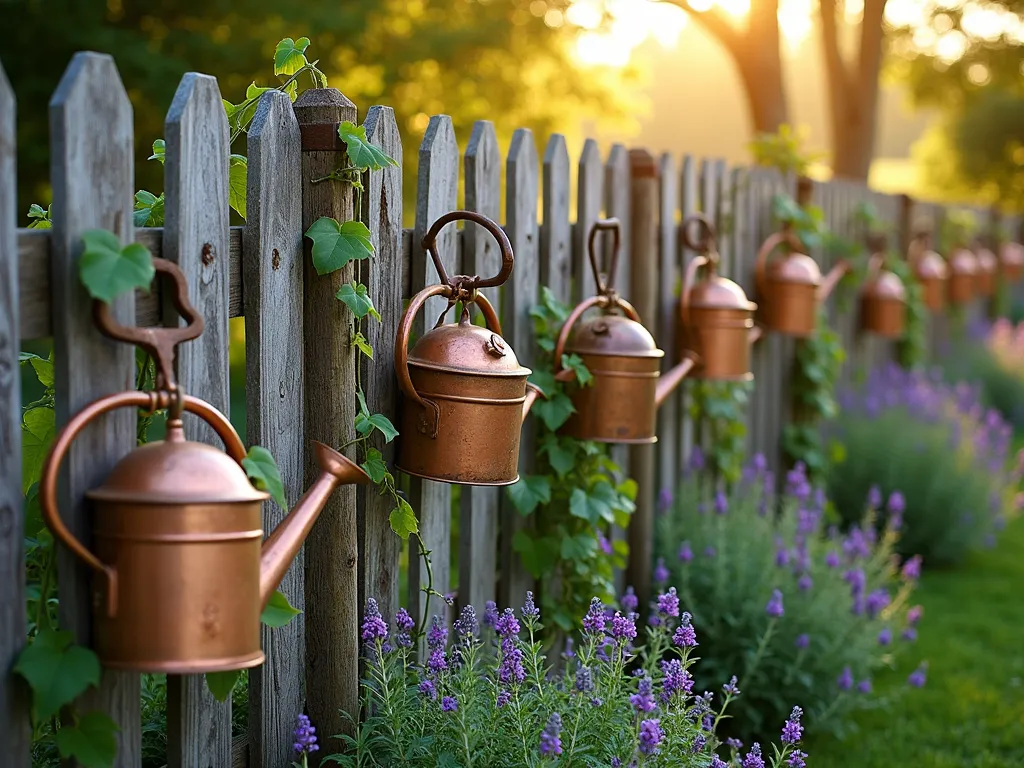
{"x":874,"y":497}
{"x":919,"y":676}
{"x":805,"y":583}
{"x":437,"y":635}
{"x":802,"y":641}
{"x":466,"y":626}
{"x":602,"y":541}
{"x":685,"y":636}
{"x":845,"y":681}
{"x":699,"y":743}
{"x":530,"y":610}
{"x":685,"y":552}
{"x":643,"y":699}
{"x":650,"y":736}
{"x":594,"y":621}
{"x":504,"y":697}
{"x":914,"y":614}
{"x":797,"y":759}
{"x":438,"y":661}
{"x":374,"y":627}
{"x":508,"y":624}
{"x":550,"y":741}
{"x":629,"y":600}
{"x":305,"y":737}
{"x":697,"y":462}
{"x":912,"y":568}
{"x":864,"y":686}
{"x":491,"y":614}
{"x":584,"y":679}
{"x":661,"y":574}
{"x":909,"y":634}
{"x":676,"y":680}
{"x":832,"y":559}
{"x":709,"y":551}
{"x":403,"y":621}
{"x":623,"y":628}
{"x":774,"y":607}
{"x":668,"y":603}
{"x":732,"y":743}
{"x":428,"y":689}
{"x":716,"y":762}
{"x":753,"y":758}
{"x":782,"y":557}
{"x":793,"y":730}
{"x":721,"y":502}
{"x":885,"y":636}
{"x":877,"y":601}
{"x":896,"y":504}
{"x":730,"y":689}
{"x":665,"y":500}
{"x":449,"y":704}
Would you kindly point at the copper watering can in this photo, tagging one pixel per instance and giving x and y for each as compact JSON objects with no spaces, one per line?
{"x":930,"y":269}
{"x":183,"y":570}
{"x":882,"y":300}
{"x":1011,"y":260}
{"x":791,"y":287}
{"x":988,"y":266}
{"x":465,"y":395}
{"x":963,"y":276}
{"x":620,"y":404}
{"x":717,"y":318}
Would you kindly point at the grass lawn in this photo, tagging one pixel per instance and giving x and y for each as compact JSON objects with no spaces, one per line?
{"x":971,"y":712}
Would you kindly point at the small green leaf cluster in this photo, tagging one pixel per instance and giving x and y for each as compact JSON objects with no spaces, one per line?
{"x":573,"y":496}
{"x":783,"y":150}
{"x":719,"y":408}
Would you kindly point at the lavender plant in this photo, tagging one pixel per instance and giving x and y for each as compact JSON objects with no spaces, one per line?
{"x":938,"y":446}
{"x":485,"y":696}
{"x":801,"y":614}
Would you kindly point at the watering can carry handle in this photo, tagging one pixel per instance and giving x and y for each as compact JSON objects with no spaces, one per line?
{"x":607,"y":285}
{"x":576,"y":314}
{"x":429,"y":243}
{"x":405,"y":329}
{"x":688,"y":279}
{"x":767,"y":247}
{"x":149,"y":401}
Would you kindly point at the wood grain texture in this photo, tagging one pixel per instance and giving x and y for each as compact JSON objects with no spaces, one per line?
{"x":589,"y":204}
{"x":643,"y":263}
{"x":332,"y":553}
{"x":743,"y":256}
{"x":196,"y":239}
{"x":380,"y":548}
{"x":91,"y":170}
{"x":15,"y":730}
{"x":522,"y":186}
{"x":478,"y":505}
{"x":689,"y":203}
{"x":436,"y":194}
{"x":665,"y":322}
{"x":555,"y":229}
{"x":272,"y":269}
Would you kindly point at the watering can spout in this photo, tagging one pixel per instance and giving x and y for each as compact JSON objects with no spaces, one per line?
{"x":532,"y":393}
{"x":832,"y":279}
{"x":283,"y":545}
{"x":672,"y":378}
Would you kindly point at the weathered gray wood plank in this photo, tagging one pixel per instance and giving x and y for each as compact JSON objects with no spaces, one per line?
{"x":689,"y":203}
{"x":589,"y":202}
{"x":436,"y":194}
{"x":479,"y":505}
{"x":196,"y":239}
{"x":91,"y":169}
{"x":15,"y":730}
{"x":644,"y":235}
{"x":34,"y":287}
{"x":380,"y":547}
{"x":522,"y":185}
{"x":332,"y":551}
{"x":666,"y":323}
{"x":272,"y":269}
{"x":555,"y":229}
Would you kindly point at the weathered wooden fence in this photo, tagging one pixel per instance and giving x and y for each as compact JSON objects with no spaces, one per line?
{"x":300,"y":369}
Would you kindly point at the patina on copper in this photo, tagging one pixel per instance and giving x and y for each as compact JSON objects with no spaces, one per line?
{"x":465,"y":395}
{"x":717,"y":317}
{"x":183,"y":572}
{"x":882,"y":300}
{"x":620,"y":404}
{"x":963,"y":276}
{"x":930,"y":269}
{"x":1011,"y":260}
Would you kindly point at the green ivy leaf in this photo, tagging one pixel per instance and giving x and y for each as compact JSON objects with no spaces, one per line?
{"x":159,"y":151}
{"x":561,"y":454}
{"x":582,"y":546}
{"x":40,"y":218}
{"x":375,"y":466}
{"x":628,"y":488}
{"x":240,"y":115}
{"x":149,"y":209}
{"x":403,"y":519}
{"x":58,"y":671}
{"x":262,"y":470}
{"x":359,"y":342}
{"x":335,"y":245}
{"x":555,"y":411}
{"x":365,"y":424}
{"x":43,"y":367}
{"x":575,"y":364}
{"x":529,"y":492}
{"x":107,"y":270}
{"x":361,"y":153}
{"x":598,"y":504}
{"x":545,"y":380}
{"x":355,"y":297}
{"x":91,"y":741}
{"x":278,"y":612}
{"x":221,"y":684}
{"x":290,"y":56}
{"x":37,"y":433}
{"x":238,"y":172}
{"x":539,"y":555}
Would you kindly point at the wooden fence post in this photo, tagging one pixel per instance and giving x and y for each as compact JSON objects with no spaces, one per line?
{"x":15,"y":733}
{"x":436,"y":194}
{"x":91,"y":168}
{"x":643,"y":295}
{"x":689,"y":204}
{"x":332,"y":578}
{"x":479,"y":505}
{"x":272,"y":281}
{"x":666,"y":323}
{"x":196,"y":239}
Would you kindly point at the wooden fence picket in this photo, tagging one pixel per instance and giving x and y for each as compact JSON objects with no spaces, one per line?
{"x":272,"y":269}
{"x":689,"y":203}
{"x":589,"y":203}
{"x":91,"y":168}
{"x":666,"y":323}
{"x":555,"y":229}
{"x":15,"y":731}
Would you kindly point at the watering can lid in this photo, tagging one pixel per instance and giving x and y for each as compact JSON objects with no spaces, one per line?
{"x":613,"y":335}
{"x":466,"y":348}
{"x":963,"y":261}
{"x":717,"y":292}
{"x":987,"y":261}
{"x":1012,"y":253}
{"x":885,"y":285}
{"x":931,"y":266}
{"x":796,"y":268}
{"x":177,"y":472}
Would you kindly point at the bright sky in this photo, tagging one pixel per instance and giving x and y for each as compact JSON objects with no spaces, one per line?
{"x":634,"y":21}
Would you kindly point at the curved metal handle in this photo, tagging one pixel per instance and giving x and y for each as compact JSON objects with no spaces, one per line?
{"x":405,"y":329}
{"x":688,"y":278}
{"x":150,"y":401}
{"x":158,"y":341}
{"x":706,"y":243}
{"x":594,"y":301}
{"x":430,"y":246}
{"x":604,"y":287}
{"x":774,"y":241}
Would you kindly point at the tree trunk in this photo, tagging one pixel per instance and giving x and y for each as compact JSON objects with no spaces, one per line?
{"x":766,"y":96}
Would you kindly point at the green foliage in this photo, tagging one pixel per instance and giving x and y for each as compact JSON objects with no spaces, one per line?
{"x":91,"y":740}
{"x":355,"y":297}
{"x":912,"y":347}
{"x":727,"y":553}
{"x":361,"y":153}
{"x":279,"y":611}
{"x":574,"y":495}
{"x":108,"y":269}
{"x":262,"y":470}
{"x":336,"y":244}
{"x":39,"y":217}
{"x":57,"y":671}
{"x":994,"y":364}
{"x":720,"y":407}
{"x":808,"y":222}
{"x":783,"y":150}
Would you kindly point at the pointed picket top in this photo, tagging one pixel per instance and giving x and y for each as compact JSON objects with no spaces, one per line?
{"x":522,"y":188}
{"x":556,"y":231}
{"x":589,"y":203}
{"x":437,"y":194}
{"x":480,"y":254}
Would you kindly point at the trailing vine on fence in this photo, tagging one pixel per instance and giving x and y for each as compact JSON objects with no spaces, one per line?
{"x":719,"y":407}
{"x":573,"y":497}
